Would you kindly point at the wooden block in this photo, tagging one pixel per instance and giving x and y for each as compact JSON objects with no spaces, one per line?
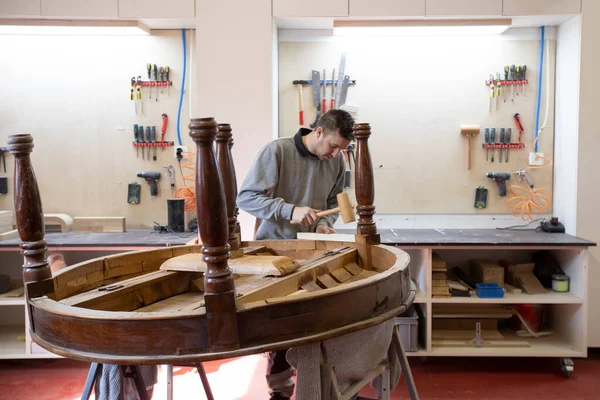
{"x":485,"y":271}
{"x":99,"y":224}
{"x":353,"y":268}
{"x":326,"y":281}
{"x":440,"y":283}
{"x":341,"y":275}
{"x":437,"y":263}
{"x":491,"y":343}
{"x":463,"y":324}
{"x":65,"y":221}
{"x":311,"y":287}
{"x":456,"y":334}
{"x":440,"y":290}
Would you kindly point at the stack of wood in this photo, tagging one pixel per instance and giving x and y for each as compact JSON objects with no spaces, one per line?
{"x":440,"y":277}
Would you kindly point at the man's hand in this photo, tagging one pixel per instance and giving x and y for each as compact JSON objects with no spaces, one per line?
{"x":324,"y":229}
{"x":305,"y":216}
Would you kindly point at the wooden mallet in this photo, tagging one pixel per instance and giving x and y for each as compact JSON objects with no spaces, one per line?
{"x":469,"y":130}
{"x":344,"y":207}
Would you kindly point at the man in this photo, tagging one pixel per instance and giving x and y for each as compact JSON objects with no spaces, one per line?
{"x":292,"y":179}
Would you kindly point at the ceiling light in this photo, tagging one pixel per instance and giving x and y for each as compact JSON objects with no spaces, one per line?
{"x":72,"y":27}
{"x":426,"y":27}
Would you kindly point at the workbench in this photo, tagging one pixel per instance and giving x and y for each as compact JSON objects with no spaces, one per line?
{"x":569,"y":311}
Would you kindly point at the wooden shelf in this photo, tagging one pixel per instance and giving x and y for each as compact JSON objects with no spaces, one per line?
{"x":551,"y":346}
{"x":515,"y":298}
{"x":10,"y":347}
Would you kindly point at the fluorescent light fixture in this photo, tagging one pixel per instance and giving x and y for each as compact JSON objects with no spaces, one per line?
{"x":440,"y":27}
{"x":71,"y":27}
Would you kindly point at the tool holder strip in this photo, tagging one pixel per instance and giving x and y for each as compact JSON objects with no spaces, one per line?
{"x":152,"y":144}
{"x":504,"y":146}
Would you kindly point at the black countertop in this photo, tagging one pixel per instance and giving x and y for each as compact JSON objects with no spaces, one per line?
{"x":400,"y":237}
{"x":476,"y":237}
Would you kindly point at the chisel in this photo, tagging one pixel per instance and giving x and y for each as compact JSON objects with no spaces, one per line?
{"x":501,"y":142}
{"x":149,"y":68}
{"x":487,"y":141}
{"x":512,"y":86}
{"x":148,"y":140}
{"x":136,"y":138}
{"x":493,"y":141}
{"x":523,"y":77}
{"x":508,"y":132}
{"x":154,"y":142}
{"x":300,"y":106}
{"x":332,"y":104}
{"x":142,"y":140}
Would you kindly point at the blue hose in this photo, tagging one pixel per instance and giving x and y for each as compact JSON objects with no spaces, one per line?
{"x":539,"y":97}
{"x":182,"y":86}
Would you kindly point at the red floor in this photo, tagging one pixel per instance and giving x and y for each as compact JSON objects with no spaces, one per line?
{"x":243,"y":378}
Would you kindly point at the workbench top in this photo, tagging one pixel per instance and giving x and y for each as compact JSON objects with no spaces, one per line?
{"x":400,"y":237}
{"x":476,"y":237}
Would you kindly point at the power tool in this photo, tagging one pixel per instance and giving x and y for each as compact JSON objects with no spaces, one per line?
{"x":500,"y":178}
{"x":151,"y":178}
{"x":552,"y":226}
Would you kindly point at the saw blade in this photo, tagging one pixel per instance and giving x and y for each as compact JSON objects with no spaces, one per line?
{"x":316,"y":86}
{"x":341,"y":72}
{"x":344,"y":91}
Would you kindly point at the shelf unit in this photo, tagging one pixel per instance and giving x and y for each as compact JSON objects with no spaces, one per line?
{"x":567,"y":311}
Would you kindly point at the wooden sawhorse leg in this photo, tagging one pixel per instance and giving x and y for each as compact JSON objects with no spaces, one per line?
{"x":203,"y":378}
{"x":129,"y":371}
{"x":408,"y":378}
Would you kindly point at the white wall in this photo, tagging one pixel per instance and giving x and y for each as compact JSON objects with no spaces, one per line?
{"x":72,"y":94}
{"x":567,"y":122}
{"x":235,"y":51}
{"x":416,"y":92}
{"x":588,"y":190}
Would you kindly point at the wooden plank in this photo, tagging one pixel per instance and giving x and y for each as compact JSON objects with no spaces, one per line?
{"x":9,"y":235}
{"x":455,"y":334}
{"x":491,"y":343}
{"x":282,"y":286}
{"x":363,"y":275}
{"x":326,"y":281}
{"x":324,"y":237}
{"x":254,"y":265}
{"x":341,"y":275}
{"x":188,"y":301}
{"x":99,"y":224}
{"x":353,"y":268}
{"x":311,"y":287}
{"x":64,"y":220}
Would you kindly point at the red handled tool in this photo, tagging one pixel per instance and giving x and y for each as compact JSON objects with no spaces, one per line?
{"x":517,"y":118}
{"x":324,"y":99}
{"x":163,"y":128}
{"x":300,"y":105}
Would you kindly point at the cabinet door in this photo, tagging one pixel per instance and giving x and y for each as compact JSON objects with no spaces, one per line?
{"x":463,"y":7}
{"x":385,"y":8}
{"x":15,"y":8}
{"x":541,"y":7}
{"x":310,"y":8}
{"x":80,"y":8}
{"x":157,"y":9}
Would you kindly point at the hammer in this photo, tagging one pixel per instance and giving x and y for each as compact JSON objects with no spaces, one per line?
{"x":469,"y":130}
{"x":344,"y":206}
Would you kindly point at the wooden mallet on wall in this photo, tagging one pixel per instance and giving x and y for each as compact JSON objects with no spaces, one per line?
{"x":344,"y":207}
{"x":469,"y":130}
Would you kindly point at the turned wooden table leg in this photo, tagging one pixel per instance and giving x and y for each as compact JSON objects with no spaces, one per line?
{"x":29,"y":213}
{"x":366,"y":230}
{"x":227,"y":172}
{"x":219,"y":295}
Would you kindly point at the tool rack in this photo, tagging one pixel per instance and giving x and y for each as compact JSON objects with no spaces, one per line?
{"x":503,"y":146}
{"x":327,"y":82}
{"x":152,"y":144}
{"x":503,"y":82}
{"x":152,"y":83}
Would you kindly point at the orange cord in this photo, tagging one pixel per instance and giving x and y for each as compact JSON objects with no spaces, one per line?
{"x":532,"y":200}
{"x":188,"y":191}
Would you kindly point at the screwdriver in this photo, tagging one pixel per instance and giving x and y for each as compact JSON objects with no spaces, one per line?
{"x":493,"y":141}
{"x":491,"y":92}
{"x":324,"y":100}
{"x":523,"y":77}
{"x":141,"y":132}
{"x":518,"y":77}
{"x":487,"y":141}
{"x":162,"y":73}
{"x":136,"y":138}
{"x":332,"y":101}
{"x":508,"y":132}
{"x":167,"y":70}
{"x":148,"y":140}
{"x":512,"y":78}
{"x":501,"y":142}
{"x":505,"y":79}
{"x":149,"y":67}
{"x":154,"y":141}
{"x":498,"y":88}
{"x":139,"y":93}
{"x":154,"y":72}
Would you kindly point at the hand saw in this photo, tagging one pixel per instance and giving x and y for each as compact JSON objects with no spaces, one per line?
{"x":316,"y":86}
{"x":341,"y":72}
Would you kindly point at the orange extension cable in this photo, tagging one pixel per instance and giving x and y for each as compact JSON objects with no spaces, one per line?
{"x":188,"y":190}
{"x":526,"y":201}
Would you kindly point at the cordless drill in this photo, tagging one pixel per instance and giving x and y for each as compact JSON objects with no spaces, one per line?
{"x":500,"y":178}
{"x":151,"y":178}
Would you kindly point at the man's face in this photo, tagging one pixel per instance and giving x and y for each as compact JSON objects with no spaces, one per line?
{"x":329,"y":144}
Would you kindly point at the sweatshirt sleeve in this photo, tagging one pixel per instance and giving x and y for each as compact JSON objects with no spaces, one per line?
{"x":332,"y":198}
{"x":262,"y":176}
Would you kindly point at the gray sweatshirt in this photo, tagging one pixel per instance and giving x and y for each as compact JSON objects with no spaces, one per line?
{"x":296,"y":178}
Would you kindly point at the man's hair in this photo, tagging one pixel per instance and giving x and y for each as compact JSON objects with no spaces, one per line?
{"x":338,"y":119}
